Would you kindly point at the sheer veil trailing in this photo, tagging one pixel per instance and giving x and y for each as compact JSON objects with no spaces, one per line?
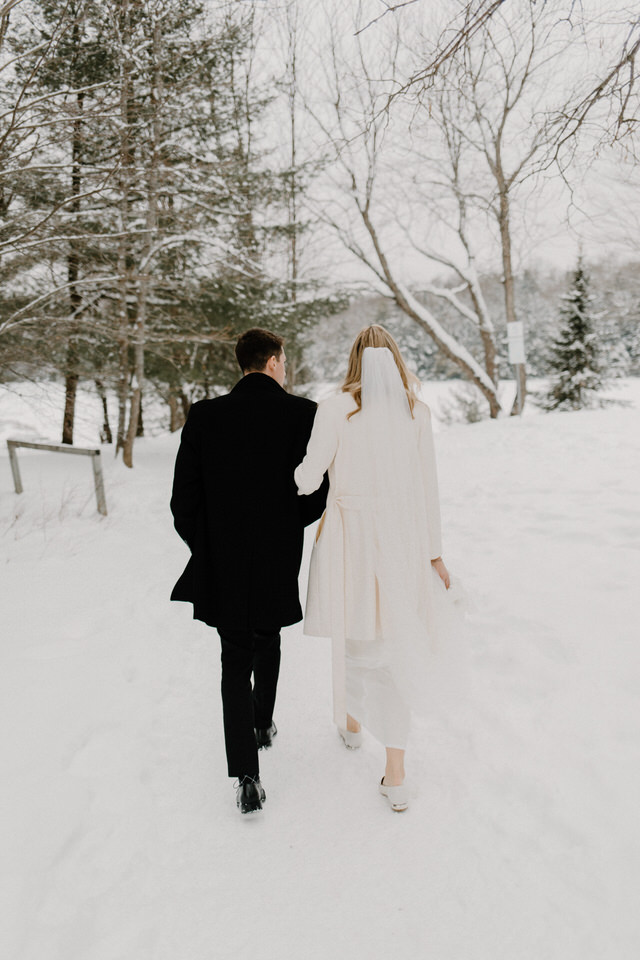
{"x":416,"y":620}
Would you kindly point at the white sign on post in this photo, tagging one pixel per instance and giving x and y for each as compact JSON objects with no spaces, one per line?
{"x":515,"y":335}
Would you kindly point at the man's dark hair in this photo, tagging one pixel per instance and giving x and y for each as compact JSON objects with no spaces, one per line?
{"x":254,"y":348}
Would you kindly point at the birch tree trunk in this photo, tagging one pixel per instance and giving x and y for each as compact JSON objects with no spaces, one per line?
{"x":364,"y":138}
{"x":451,"y":349}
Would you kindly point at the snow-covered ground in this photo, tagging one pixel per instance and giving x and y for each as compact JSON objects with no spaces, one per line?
{"x":121,"y":837}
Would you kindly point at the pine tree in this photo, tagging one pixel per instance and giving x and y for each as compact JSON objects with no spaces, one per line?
{"x":575,"y":358}
{"x":53,"y":172}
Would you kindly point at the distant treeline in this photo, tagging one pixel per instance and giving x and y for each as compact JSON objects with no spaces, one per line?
{"x":615,"y":309}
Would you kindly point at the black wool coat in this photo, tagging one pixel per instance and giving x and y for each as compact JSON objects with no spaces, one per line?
{"x":236,"y":505}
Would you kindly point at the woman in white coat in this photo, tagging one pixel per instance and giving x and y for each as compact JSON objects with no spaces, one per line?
{"x":376,"y":569}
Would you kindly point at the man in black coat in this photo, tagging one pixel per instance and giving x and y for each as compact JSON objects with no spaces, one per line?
{"x":236,"y":505}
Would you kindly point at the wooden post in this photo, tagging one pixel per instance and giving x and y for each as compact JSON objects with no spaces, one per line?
{"x":515,"y":337}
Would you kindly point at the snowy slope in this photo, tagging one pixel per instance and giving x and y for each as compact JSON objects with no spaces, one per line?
{"x":122,"y":840}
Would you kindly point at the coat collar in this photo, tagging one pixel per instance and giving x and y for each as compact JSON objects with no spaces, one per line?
{"x":257,"y":382}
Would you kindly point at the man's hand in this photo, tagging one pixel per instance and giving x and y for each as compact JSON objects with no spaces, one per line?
{"x":441,"y":570}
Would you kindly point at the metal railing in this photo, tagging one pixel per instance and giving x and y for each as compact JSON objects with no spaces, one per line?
{"x":96,"y":463}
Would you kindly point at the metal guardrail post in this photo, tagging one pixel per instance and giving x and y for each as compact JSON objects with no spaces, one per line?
{"x":98,"y":480}
{"x":15,"y":469}
{"x":96,"y":463}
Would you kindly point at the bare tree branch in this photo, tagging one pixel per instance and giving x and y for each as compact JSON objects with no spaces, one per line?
{"x":389,"y":8}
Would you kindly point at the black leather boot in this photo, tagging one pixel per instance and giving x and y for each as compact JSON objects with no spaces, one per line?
{"x":250,"y":794}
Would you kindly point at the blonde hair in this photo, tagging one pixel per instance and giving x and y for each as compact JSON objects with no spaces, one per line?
{"x":376,"y":336}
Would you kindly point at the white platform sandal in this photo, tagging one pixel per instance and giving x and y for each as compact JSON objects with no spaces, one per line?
{"x":398,"y":797}
{"x":351,"y":739}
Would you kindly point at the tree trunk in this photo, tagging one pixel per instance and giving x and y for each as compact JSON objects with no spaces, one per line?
{"x":73,"y":270}
{"x":70,"y":391}
{"x":292,"y":371}
{"x":140,"y":430}
{"x":176,"y":413}
{"x":144,"y":280}
{"x":490,"y":365}
{"x":509,"y":289}
{"x":486,"y":387}
{"x":105,"y":433}
{"x":292,"y":374}
{"x":124,"y":254}
{"x":488,"y":391}
{"x":488,"y":340}
{"x":135,"y":407}
{"x":123,"y":387}
{"x":175,"y":420}
{"x":521,"y":389}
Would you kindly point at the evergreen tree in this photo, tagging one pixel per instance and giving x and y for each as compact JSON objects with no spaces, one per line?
{"x":55,"y":93}
{"x":575,"y":359}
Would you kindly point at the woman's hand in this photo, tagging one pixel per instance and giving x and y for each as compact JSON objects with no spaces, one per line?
{"x":441,"y":570}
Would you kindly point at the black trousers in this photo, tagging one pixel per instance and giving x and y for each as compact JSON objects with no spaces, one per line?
{"x":246,"y":653}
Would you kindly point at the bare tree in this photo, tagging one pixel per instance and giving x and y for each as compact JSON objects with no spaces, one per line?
{"x":469,"y":17}
{"x":496,"y":101}
{"x":505,"y":123}
{"x":361,"y":134}
{"x":154,"y":13}
{"x":501,"y":62}
{"x":609,"y":101}
{"x":609,"y":97}
{"x":439,"y":216}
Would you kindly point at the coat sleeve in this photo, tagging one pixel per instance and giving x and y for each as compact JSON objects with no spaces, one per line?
{"x":430,"y":483}
{"x":312,"y":505}
{"x":187,"y":498}
{"x":321,"y":450}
